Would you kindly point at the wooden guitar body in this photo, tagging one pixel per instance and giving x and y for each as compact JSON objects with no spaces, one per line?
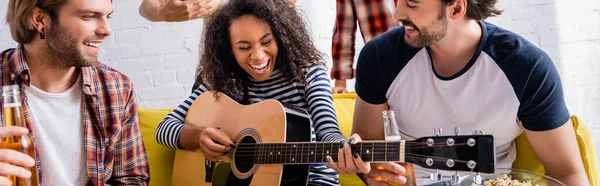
{"x":263,"y":122}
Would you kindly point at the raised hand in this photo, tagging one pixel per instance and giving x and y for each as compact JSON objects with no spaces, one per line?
{"x":177,"y":10}
{"x":340,"y":86}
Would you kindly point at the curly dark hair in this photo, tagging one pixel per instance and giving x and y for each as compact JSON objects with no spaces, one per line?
{"x":479,"y":9}
{"x":218,"y":68}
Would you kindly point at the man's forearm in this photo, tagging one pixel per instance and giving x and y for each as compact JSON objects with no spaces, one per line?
{"x":149,"y":10}
{"x":574,"y":179}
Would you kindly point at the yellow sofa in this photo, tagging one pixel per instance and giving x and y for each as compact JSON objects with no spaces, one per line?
{"x":161,"y":158}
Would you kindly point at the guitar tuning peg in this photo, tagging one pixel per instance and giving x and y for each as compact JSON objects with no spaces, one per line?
{"x":471,"y":164}
{"x":457,"y":130}
{"x":450,"y":163}
{"x":437,"y":131}
{"x":478,"y":132}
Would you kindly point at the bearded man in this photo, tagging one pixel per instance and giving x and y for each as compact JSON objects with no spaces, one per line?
{"x":82,"y":115}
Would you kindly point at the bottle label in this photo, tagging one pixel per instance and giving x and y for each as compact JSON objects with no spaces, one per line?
{"x":11,"y":105}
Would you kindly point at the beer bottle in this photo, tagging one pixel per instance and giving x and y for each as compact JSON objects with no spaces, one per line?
{"x":392,"y":133}
{"x":13,"y":116}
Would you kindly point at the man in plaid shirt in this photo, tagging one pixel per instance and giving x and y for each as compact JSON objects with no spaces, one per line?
{"x":82,"y":115}
{"x":374,"y":17}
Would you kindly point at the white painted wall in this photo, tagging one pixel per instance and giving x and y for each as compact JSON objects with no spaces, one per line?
{"x":161,"y":58}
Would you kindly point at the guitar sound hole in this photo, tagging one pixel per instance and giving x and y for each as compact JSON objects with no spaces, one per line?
{"x":244,"y":155}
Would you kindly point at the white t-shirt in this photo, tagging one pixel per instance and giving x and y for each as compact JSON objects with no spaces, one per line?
{"x":58,"y":127}
{"x":508,"y":85}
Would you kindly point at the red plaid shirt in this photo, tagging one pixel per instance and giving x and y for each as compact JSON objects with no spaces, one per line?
{"x":373,"y":17}
{"x":114,"y":149}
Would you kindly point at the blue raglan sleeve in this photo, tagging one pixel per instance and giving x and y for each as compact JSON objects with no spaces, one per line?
{"x":368,"y":85}
{"x":542,"y":103}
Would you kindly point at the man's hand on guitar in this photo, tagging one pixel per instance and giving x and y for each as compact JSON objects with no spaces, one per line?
{"x":214,"y":143}
{"x":384,"y":173}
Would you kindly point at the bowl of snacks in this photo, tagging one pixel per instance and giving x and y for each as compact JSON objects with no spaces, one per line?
{"x":503,"y":177}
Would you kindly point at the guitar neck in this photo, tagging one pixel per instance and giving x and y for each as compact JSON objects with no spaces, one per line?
{"x":316,"y":152}
{"x":466,"y":153}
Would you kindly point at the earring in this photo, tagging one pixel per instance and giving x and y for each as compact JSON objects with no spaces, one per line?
{"x":42,"y":34}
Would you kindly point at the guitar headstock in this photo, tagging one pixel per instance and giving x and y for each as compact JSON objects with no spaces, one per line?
{"x":474,"y":153}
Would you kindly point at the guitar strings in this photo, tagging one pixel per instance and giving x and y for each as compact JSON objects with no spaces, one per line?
{"x":337,"y":143}
{"x":332,"y":149}
{"x":260,"y":153}
{"x":379,"y":156}
{"x":255,"y":148}
{"x":254,"y":145}
{"x":280,"y":152}
{"x":377,"y":151}
{"x":286,"y":160}
{"x":317,"y":154}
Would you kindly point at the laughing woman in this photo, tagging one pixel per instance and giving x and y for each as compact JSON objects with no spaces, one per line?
{"x":261,"y":49}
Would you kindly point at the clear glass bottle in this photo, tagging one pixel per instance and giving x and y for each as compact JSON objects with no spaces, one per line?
{"x":390,"y":126}
{"x":392,"y":133}
{"x":13,"y":116}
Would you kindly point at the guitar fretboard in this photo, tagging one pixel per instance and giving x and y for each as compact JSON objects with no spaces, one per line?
{"x":316,"y":152}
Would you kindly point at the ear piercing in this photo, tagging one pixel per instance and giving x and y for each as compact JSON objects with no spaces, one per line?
{"x":42,"y":34}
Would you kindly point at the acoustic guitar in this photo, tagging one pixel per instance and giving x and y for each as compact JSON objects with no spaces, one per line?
{"x":273,"y":147}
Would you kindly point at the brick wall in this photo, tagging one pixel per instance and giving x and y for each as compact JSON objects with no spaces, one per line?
{"x":161,"y":58}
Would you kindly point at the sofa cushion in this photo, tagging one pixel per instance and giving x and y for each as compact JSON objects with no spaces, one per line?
{"x":527,"y":159}
{"x":160,"y":158}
